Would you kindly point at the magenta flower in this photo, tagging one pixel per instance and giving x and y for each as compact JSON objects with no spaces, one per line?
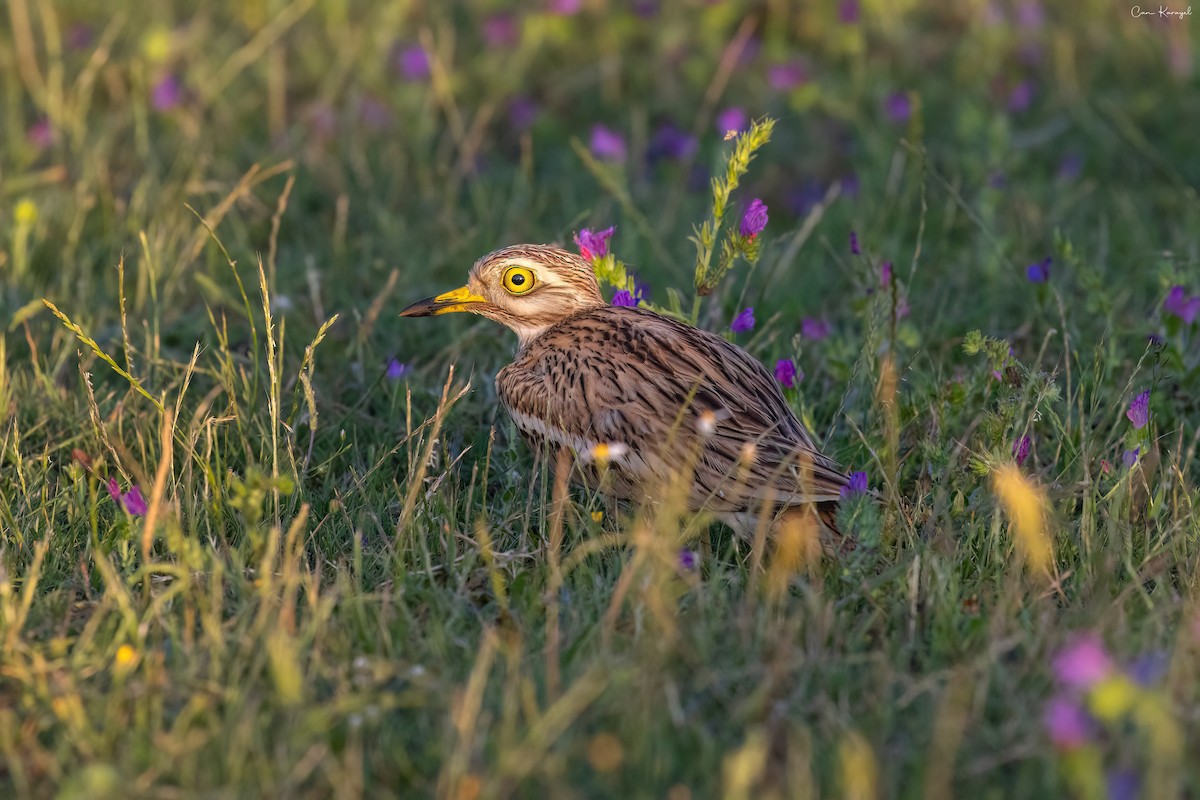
{"x":1066,"y":722}
{"x":815,"y":329}
{"x":754,"y":220}
{"x":395,"y":369}
{"x":1039,"y":272}
{"x":166,"y":94}
{"x":898,"y":106}
{"x":500,"y":31}
{"x":412,"y":62}
{"x":607,"y":144}
{"x":885,"y":274}
{"x":1083,"y":662}
{"x":565,"y":8}
{"x":848,"y":12}
{"x":856,"y":484}
{"x":732,"y":119}
{"x":40,"y":134}
{"x":1139,"y":410}
{"x":593,"y":245}
{"x":1021,"y":450}
{"x":744,"y":321}
{"x":1030,"y":15}
{"x":856,"y":250}
{"x":132,"y":501}
{"x":787,"y":75}
{"x":787,"y":374}
{"x":1178,"y":304}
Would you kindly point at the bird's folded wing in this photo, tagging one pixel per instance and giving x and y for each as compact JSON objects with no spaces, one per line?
{"x":668,"y":397}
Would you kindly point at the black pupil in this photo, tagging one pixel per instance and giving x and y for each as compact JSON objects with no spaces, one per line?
{"x":517,"y":280}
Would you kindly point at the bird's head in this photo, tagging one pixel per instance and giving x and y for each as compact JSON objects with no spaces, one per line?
{"x":527,"y":287}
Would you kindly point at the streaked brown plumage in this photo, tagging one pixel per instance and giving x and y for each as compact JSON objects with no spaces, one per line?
{"x":643,"y":394}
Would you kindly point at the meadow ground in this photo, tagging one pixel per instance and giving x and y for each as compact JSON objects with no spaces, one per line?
{"x":259,"y":537}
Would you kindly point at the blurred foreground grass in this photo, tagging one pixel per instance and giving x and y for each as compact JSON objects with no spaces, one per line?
{"x":342,"y":581}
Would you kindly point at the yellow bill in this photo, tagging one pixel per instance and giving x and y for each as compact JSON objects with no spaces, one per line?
{"x":458,"y":300}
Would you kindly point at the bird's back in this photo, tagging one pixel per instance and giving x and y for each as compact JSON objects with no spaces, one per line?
{"x":662,"y":396}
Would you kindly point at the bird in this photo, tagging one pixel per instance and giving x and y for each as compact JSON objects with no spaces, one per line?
{"x":637,"y":396}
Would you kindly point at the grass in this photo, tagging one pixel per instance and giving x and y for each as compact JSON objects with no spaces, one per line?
{"x":350,"y":584}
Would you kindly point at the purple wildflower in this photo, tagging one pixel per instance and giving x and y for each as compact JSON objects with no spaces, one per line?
{"x":856,"y":250}
{"x":522,"y":113}
{"x":565,"y":8}
{"x":1070,"y":167}
{"x":815,"y":329}
{"x":1068,"y":725}
{"x":1149,"y":668}
{"x":848,"y":12}
{"x":744,"y":321}
{"x":412,"y":62}
{"x":166,"y":94}
{"x":1083,"y":663}
{"x":1139,"y":410}
{"x":1123,"y":784}
{"x":732,"y":119}
{"x":1021,"y":450}
{"x":787,"y":374}
{"x":1180,"y":305}
{"x":898,"y":106}
{"x":885,"y":274}
{"x":856,"y":484}
{"x":1030,"y":15}
{"x":688,"y":559}
{"x":1021,"y":96}
{"x":132,"y":501}
{"x":500,"y":31}
{"x":623,"y":297}
{"x":79,"y":36}
{"x":787,"y":75}
{"x":607,"y":144}
{"x":593,"y":245}
{"x":754,"y":220}
{"x":1039,"y":272}
{"x":40,"y":134}
{"x":374,"y":114}
{"x":997,"y":180}
{"x":395,"y":369}
{"x":671,"y":143}
{"x":1130,"y":457}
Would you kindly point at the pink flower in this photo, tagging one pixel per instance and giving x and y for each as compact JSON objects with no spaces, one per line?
{"x":166,"y":94}
{"x":593,"y":245}
{"x":132,"y":501}
{"x":412,"y":62}
{"x":1083,"y":662}
{"x":607,"y":144}
{"x":40,"y":134}
{"x":1066,"y":722}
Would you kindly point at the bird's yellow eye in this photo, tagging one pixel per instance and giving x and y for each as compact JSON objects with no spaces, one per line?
{"x":518,"y":280}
